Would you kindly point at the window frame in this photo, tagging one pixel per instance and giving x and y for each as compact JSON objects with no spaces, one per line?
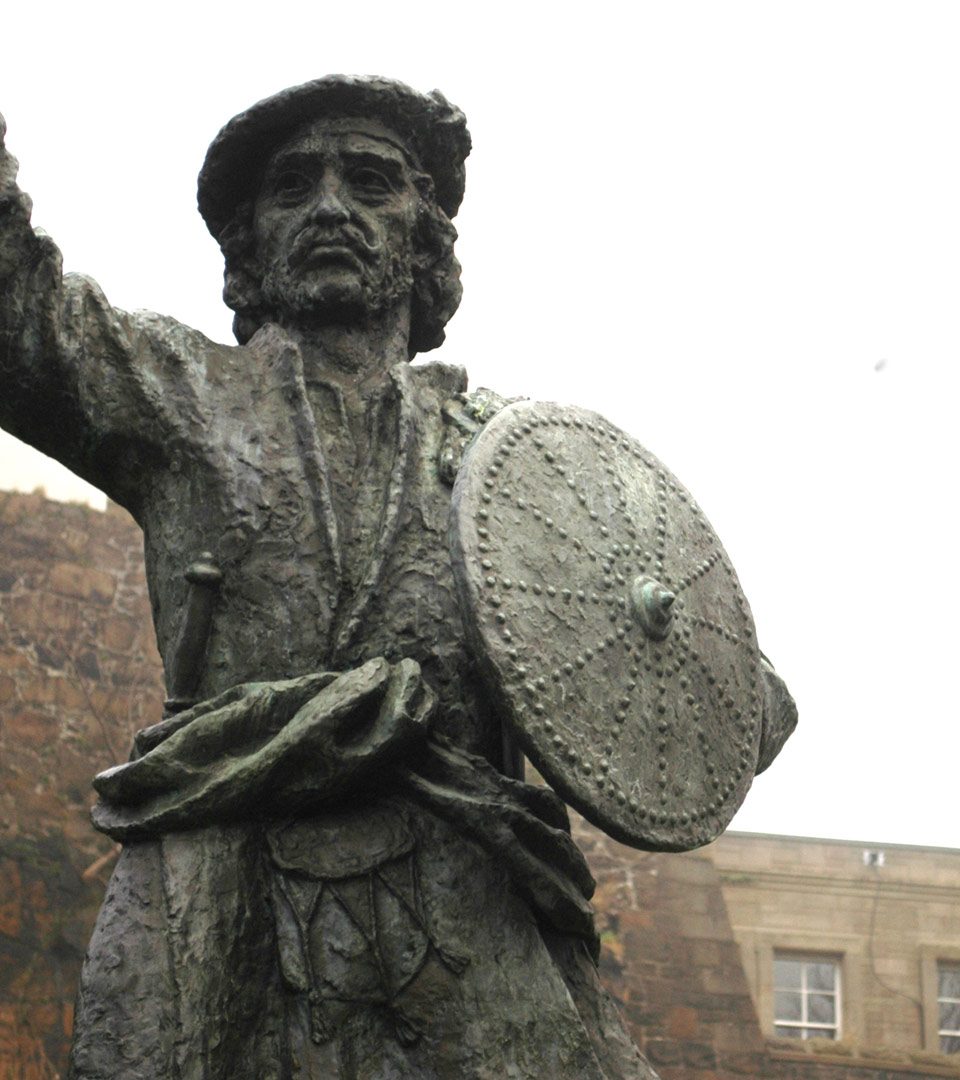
{"x":946,"y":1033}
{"x":932,"y":957}
{"x":809,"y":1029}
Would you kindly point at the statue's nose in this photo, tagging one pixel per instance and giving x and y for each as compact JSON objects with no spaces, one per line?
{"x":328,"y":209}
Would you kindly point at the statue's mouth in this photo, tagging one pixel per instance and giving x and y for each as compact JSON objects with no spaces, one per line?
{"x":323,"y":254}
{"x":313,"y":249}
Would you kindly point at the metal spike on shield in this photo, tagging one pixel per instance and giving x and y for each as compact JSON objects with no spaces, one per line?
{"x":609,"y":625}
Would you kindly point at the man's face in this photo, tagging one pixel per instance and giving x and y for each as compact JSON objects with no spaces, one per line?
{"x":334,"y":224}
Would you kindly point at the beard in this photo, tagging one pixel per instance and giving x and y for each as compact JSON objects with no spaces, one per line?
{"x":337,"y":292}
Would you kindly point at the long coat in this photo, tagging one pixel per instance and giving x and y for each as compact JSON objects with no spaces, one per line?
{"x":432,"y":928}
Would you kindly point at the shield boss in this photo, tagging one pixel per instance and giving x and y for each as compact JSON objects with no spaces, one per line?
{"x":609,"y":624}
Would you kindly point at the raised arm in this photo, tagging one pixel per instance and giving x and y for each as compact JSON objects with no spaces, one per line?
{"x":79,"y":380}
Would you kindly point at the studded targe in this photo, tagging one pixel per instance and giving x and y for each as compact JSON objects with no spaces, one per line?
{"x":609,"y":623}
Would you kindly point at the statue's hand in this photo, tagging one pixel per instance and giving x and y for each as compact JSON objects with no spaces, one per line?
{"x":353,"y":735}
{"x":779,"y":715}
{"x":401,"y":718}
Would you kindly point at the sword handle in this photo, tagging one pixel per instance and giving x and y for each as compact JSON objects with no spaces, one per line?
{"x":186,"y":665}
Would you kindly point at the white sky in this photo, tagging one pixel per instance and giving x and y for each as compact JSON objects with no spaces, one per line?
{"x":733,"y":228}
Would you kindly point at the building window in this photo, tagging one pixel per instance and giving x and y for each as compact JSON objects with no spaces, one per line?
{"x":948,"y":1006}
{"x":806,"y":993}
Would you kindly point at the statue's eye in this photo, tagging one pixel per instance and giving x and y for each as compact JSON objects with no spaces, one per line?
{"x":290,"y":186}
{"x":369,"y":181}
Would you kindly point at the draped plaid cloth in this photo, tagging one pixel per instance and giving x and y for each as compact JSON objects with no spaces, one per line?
{"x":281,"y":749}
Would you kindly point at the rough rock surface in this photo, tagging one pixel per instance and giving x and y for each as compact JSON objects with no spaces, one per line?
{"x":79,"y":673}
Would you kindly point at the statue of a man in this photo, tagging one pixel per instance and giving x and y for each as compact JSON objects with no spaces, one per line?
{"x":332,"y":866}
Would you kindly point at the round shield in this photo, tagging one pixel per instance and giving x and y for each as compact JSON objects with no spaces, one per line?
{"x":609,"y":624}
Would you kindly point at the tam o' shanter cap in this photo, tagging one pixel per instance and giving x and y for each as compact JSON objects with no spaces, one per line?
{"x":434,"y":131}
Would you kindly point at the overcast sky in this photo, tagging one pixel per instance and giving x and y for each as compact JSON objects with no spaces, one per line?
{"x":732,"y":228}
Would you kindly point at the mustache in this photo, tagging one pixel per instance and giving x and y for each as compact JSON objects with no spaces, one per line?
{"x":348,"y":237}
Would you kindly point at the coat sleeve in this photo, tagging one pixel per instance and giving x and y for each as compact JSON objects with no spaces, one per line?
{"x":80,"y":380}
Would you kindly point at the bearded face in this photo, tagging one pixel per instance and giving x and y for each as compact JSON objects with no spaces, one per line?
{"x":334,"y":225}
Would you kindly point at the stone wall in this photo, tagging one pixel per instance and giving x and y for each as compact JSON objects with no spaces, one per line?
{"x":670,"y":959}
{"x":823,"y":1063}
{"x":79,"y":673}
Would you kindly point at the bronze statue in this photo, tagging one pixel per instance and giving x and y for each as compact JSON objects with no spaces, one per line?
{"x":332,"y":865}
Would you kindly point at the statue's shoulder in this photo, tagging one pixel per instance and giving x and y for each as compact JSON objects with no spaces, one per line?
{"x":171,"y":336}
{"x":465,"y":415}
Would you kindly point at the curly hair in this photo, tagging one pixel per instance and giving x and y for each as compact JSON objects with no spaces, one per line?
{"x":436,"y":273}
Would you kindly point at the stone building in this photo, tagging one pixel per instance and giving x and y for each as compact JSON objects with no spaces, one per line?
{"x":784,"y":957}
{"x":845,"y":943}
{"x":710,"y":954}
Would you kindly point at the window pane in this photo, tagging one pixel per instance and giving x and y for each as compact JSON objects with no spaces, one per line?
{"x":787,"y":1005}
{"x":821,"y":976}
{"x":949,"y":981}
{"x":820,"y":1033}
{"x":786,"y":974}
{"x":949,"y":1016}
{"x":950,"y":1044}
{"x":822,"y":1009}
{"x":789,"y":1032}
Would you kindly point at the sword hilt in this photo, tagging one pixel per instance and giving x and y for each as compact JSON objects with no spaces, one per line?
{"x":186,"y":665}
